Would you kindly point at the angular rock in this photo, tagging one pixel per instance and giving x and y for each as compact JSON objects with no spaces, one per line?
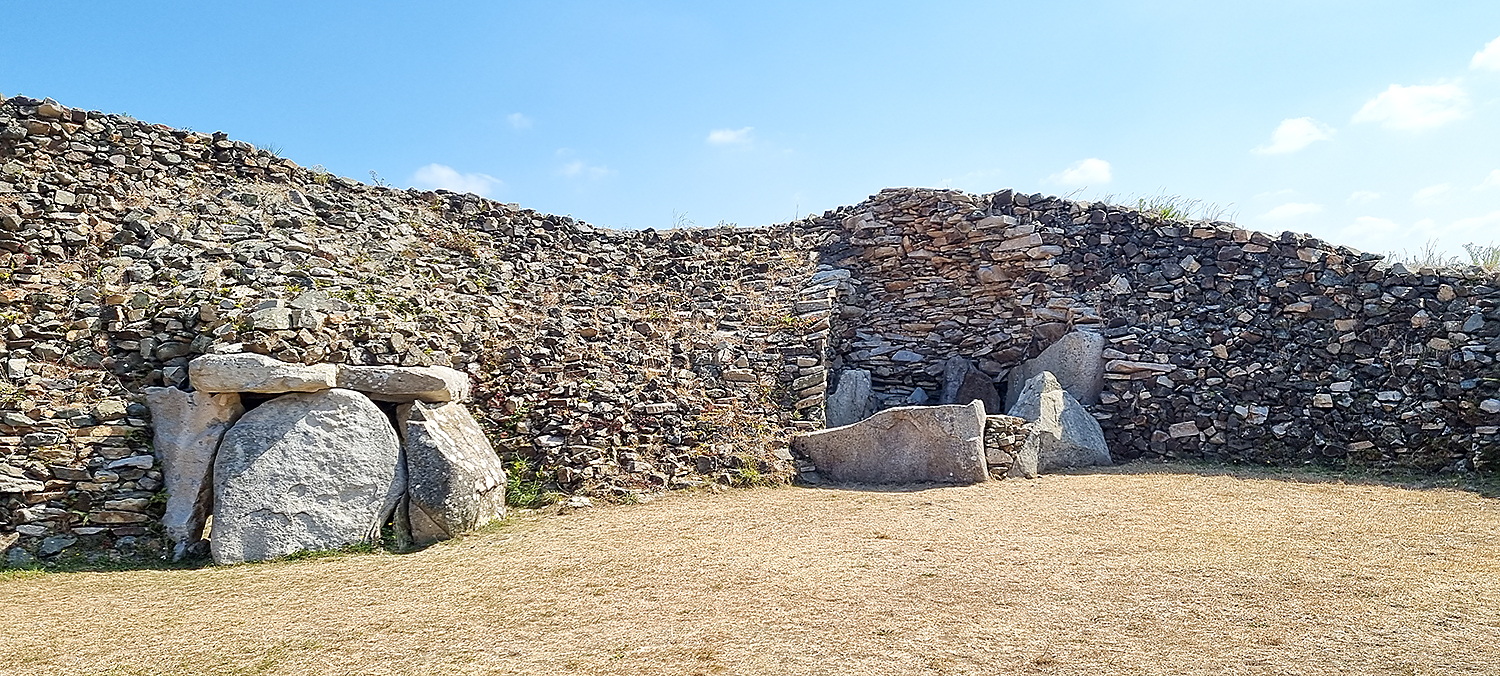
{"x":188,"y":427}
{"x":434,"y":384}
{"x":304,"y":471}
{"x":10,"y":484}
{"x":912,"y":444}
{"x":963,"y":382}
{"x":850,"y":401}
{"x":1067,"y":436}
{"x":1076,"y":360}
{"x":455,"y":481}
{"x":250,"y":372}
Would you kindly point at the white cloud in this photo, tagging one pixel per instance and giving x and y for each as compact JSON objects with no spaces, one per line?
{"x":1430,"y":193}
{"x":1291,"y":210}
{"x":581,"y":169}
{"x":729,"y":137}
{"x":1487,"y":58}
{"x":1363,"y":197}
{"x":1478,"y":230}
{"x":518,"y":121}
{"x":1295,"y":134}
{"x":1490,"y":182}
{"x":1092,"y":171}
{"x":436,"y":176}
{"x":1416,"y":107}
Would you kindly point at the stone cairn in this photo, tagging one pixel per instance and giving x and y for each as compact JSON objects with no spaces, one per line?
{"x":612,"y":362}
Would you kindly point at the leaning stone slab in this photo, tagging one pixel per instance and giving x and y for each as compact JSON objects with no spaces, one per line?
{"x":911,"y":444}
{"x":1077,"y":362}
{"x":406,"y":383}
{"x":304,"y":471}
{"x":963,"y":382}
{"x":1066,"y":435}
{"x":850,"y":401}
{"x":188,"y":428}
{"x":455,"y":482}
{"x":250,"y":372}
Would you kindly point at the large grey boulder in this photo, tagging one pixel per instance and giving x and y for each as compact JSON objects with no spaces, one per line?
{"x":250,"y":372}
{"x":963,"y":382}
{"x":455,"y":481}
{"x":304,"y":471}
{"x":850,"y":401}
{"x":406,"y":383}
{"x":910,"y":444}
{"x":1076,"y":360}
{"x":1066,"y":435}
{"x":188,"y":427}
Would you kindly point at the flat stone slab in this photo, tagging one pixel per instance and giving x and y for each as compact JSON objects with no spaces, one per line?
{"x":406,"y":383}
{"x":304,"y":471}
{"x":455,"y":481}
{"x":250,"y":372}
{"x":909,"y":444}
{"x":850,"y":401}
{"x":1065,"y":434}
{"x":963,"y":382}
{"x":1076,"y":360}
{"x":188,"y":427}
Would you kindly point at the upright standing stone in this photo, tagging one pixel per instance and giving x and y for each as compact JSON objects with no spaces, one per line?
{"x":963,"y":382}
{"x":455,"y":481}
{"x":1077,"y":362}
{"x":1067,"y":436}
{"x":910,"y":444}
{"x":188,"y":427}
{"x":850,"y":401}
{"x":305,"y":471}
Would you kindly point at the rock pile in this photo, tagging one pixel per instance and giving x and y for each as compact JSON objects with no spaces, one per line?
{"x":613,"y":362}
{"x":1219,"y":343}
{"x":602,"y":361}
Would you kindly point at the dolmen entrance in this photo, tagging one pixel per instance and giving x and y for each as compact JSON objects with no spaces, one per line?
{"x":290,"y":457}
{"x":959,"y":441}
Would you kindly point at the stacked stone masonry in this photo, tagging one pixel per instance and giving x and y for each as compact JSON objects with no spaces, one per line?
{"x":612,"y":362}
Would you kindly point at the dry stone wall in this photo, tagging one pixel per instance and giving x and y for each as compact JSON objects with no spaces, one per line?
{"x":1221,"y":343}
{"x":612,"y":362}
{"x":603,"y":361}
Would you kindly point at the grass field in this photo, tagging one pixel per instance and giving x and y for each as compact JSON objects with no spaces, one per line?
{"x":1129,"y":571}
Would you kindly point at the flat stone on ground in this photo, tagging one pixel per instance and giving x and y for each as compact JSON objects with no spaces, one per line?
{"x":911,"y":444}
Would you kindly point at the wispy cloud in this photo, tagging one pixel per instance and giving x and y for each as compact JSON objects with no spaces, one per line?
{"x":1291,"y":210}
{"x":1430,"y":193}
{"x":1295,"y":134}
{"x":1092,"y":171}
{"x":518,"y":121}
{"x":1416,"y":107}
{"x":581,"y":169}
{"x":730,"y":137}
{"x":1490,"y":182}
{"x":440,"y":176}
{"x":1363,"y":197}
{"x":1487,"y":58}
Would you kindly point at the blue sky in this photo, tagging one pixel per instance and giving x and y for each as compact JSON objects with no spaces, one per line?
{"x":1374,"y":124}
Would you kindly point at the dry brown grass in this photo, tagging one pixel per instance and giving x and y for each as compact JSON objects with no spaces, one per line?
{"x":1126,"y":572}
